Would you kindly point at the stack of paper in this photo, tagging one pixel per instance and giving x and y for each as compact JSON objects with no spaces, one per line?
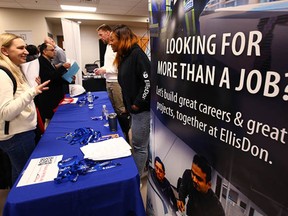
{"x":106,"y":150}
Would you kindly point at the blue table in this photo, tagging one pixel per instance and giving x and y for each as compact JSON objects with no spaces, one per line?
{"x":112,"y":192}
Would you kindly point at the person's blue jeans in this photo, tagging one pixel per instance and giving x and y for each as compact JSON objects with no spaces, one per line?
{"x":140,"y":126}
{"x":19,"y":149}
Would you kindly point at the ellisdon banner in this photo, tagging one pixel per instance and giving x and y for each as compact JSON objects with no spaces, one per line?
{"x":219,"y":108}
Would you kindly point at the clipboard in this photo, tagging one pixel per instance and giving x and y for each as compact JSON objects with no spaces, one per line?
{"x":71,"y":72}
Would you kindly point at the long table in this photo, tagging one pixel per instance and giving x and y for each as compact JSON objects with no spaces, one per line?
{"x":112,"y":192}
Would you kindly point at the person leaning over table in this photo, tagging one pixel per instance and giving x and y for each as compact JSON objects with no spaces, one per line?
{"x":49,"y":100}
{"x":133,"y":76}
{"x":196,"y":184}
{"x":19,"y":108}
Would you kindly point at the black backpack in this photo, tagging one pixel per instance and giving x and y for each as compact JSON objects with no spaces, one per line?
{"x":6,"y":128}
{"x":5,"y":164}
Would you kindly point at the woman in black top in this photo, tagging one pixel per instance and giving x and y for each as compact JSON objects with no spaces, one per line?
{"x":133,"y":76}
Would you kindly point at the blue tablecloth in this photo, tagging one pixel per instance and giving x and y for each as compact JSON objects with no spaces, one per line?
{"x":112,"y":192}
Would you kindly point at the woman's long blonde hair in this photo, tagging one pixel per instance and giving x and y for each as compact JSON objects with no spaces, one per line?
{"x":6,"y":40}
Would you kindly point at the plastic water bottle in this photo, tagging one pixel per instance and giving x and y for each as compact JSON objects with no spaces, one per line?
{"x":104,"y":112}
{"x":90,"y":100}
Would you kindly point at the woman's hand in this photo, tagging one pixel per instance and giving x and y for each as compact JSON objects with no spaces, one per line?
{"x":42,"y":87}
{"x":38,"y":80}
{"x":134,"y":107}
{"x":180,"y":206}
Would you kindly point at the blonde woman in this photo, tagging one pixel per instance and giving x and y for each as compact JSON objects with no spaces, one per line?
{"x":17,"y":108}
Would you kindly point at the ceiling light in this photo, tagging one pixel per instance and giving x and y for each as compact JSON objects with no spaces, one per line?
{"x":78,"y":8}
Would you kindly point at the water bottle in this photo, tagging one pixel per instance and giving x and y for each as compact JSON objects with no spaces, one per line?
{"x":104,"y":112}
{"x":90,"y":100}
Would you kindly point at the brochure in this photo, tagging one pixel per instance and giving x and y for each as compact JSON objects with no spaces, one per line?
{"x":40,"y":170}
{"x":71,"y":72}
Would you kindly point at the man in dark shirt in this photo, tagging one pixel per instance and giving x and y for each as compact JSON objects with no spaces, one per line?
{"x":196,"y":184}
{"x":162,"y":184}
{"x":49,"y":100}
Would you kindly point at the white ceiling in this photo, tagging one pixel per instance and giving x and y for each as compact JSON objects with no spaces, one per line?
{"x":136,"y":8}
{"x":116,"y":7}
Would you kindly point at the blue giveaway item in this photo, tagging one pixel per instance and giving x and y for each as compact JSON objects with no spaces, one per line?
{"x":71,"y":168}
{"x":82,"y":136}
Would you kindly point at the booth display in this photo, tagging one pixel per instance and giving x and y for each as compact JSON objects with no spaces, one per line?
{"x":219,"y":90}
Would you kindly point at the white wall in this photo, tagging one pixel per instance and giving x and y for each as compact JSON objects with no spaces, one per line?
{"x":24,"y":20}
{"x":40,"y":23}
{"x":89,"y":44}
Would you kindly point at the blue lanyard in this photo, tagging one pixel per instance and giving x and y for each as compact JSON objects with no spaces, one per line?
{"x":83,"y":136}
{"x":71,"y":168}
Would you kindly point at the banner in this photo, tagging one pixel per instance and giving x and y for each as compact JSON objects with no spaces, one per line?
{"x":219,"y":91}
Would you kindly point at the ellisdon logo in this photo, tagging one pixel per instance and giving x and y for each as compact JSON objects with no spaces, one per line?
{"x":145,"y":75}
{"x":146,"y":89}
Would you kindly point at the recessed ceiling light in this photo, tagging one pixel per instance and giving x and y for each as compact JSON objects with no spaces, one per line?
{"x":78,"y":8}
